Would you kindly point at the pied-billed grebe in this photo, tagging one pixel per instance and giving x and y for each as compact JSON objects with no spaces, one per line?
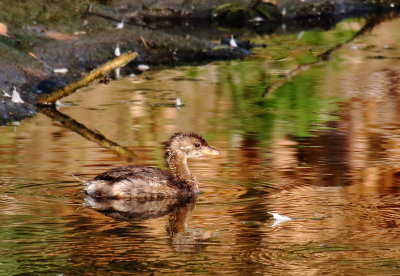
{"x":152,"y":183}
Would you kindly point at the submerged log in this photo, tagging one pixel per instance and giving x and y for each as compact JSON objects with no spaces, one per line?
{"x":102,"y":71}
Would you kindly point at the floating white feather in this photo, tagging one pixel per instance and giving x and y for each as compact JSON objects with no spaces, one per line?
{"x":60,"y":70}
{"x":143,"y":67}
{"x":232,"y":42}
{"x":16,"y":98}
{"x":284,"y":12}
{"x":300,"y":35}
{"x":6,"y":94}
{"x":117,"y":51}
{"x":120,"y":25}
{"x":256,"y":19}
{"x":178,"y":102}
{"x":279,"y":218}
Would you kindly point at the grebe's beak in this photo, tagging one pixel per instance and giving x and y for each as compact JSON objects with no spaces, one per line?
{"x":210,"y":151}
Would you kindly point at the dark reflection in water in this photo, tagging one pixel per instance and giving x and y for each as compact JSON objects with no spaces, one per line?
{"x":323,"y":149}
{"x":181,"y":237}
{"x":135,"y":209}
{"x":327,"y":154}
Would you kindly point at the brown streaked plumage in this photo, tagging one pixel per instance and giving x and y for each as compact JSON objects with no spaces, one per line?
{"x":152,"y":183}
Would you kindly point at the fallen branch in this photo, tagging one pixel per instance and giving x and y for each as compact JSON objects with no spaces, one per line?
{"x":87,"y":133}
{"x":102,"y":71}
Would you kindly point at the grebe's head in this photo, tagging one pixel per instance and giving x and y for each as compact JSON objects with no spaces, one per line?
{"x":189,"y":145}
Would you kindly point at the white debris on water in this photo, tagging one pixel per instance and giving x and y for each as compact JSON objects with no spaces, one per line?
{"x":120,"y":25}
{"x":15,"y":124}
{"x":117,"y":73}
{"x":232,"y":42}
{"x":117,"y":51}
{"x":256,"y":19}
{"x":284,"y":28}
{"x":6,"y":94}
{"x":16,"y":98}
{"x":178,"y":102}
{"x":143,"y":67}
{"x":284,"y":12}
{"x":60,"y":70}
{"x":279,"y":218}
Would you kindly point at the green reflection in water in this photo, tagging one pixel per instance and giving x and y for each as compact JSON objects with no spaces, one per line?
{"x":296,"y":108}
{"x":305,"y":47}
{"x":299,"y":104}
{"x":31,"y":247}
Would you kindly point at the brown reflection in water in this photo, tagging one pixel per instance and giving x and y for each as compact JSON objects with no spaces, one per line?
{"x":87,"y":133}
{"x":182,"y":237}
{"x":249,"y":158}
{"x":249,"y":234}
{"x":372,"y":116}
{"x":327,"y":155}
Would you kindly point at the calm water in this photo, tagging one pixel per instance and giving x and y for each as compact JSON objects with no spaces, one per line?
{"x":323,"y":149}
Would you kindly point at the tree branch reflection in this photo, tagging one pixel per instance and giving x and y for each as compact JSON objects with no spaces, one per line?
{"x":322,"y":58}
{"x":87,"y":133}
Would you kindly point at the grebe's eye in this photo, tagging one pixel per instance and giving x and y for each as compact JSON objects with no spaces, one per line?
{"x":197,"y":145}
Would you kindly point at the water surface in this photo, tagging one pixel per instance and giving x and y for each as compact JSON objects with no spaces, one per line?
{"x":322,"y":148}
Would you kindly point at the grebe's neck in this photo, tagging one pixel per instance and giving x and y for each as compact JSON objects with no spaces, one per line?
{"x":180,"y":171}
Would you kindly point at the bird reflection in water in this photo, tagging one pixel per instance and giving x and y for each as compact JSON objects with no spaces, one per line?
{"x":181,"y":237}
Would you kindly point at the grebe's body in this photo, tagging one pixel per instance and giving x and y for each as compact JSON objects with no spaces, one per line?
{"x":153,"y":183}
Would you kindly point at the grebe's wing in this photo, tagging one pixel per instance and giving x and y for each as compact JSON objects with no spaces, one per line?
{"x":134,"y":172}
